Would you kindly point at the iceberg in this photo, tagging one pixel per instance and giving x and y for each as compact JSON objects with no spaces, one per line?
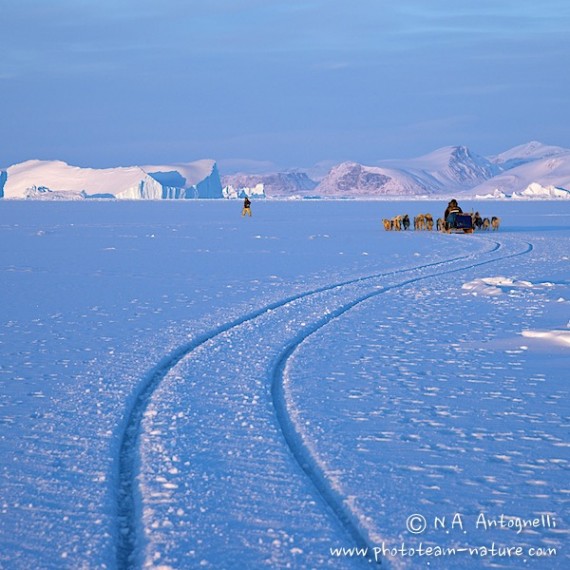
{"x":38,"y":179}
{"x":232,"y":192}
{"x":537,"y":191}
{"x":495,"y":195}
{"x":3,"y":178}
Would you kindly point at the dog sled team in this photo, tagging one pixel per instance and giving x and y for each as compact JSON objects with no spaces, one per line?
{"x":453,"y":219}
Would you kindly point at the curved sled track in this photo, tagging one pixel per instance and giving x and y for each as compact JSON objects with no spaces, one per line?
{"x":129,"y":525}
{"x":303,"y":456}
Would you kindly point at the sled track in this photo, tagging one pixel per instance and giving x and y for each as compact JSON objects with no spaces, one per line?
{"x":129,"y":519}
{"x":303,"y":456}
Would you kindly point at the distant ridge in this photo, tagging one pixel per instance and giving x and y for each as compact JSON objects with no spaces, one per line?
{"x":445,"y":171}
{"x":449,"y":170}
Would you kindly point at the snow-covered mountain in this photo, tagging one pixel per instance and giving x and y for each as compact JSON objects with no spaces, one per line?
{"x":456,"y":170}
{"x":526,"y":153}
{"x":449,"y":169}
{"x":39,"y":179}
{"x":529,"y":164}
{"x":351,"y":179}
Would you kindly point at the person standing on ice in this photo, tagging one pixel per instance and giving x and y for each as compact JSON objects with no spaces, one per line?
{"x":246,"y":207}
{"x":450,"y":212}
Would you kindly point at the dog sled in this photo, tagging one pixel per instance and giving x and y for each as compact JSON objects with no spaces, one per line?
{"x":463,"y":223}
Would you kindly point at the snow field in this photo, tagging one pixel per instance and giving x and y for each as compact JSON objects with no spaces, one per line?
{"x":389,"y":408}
{"x":455,"y":417}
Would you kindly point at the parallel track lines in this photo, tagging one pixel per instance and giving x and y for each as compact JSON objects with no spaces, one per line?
{"x":303,"y":456}
{"x":129,"y":520}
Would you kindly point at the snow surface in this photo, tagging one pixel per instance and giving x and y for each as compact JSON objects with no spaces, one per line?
{"x":181,"y":387}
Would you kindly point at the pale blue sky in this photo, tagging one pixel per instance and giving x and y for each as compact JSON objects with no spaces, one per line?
{"x":282,"y":84}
